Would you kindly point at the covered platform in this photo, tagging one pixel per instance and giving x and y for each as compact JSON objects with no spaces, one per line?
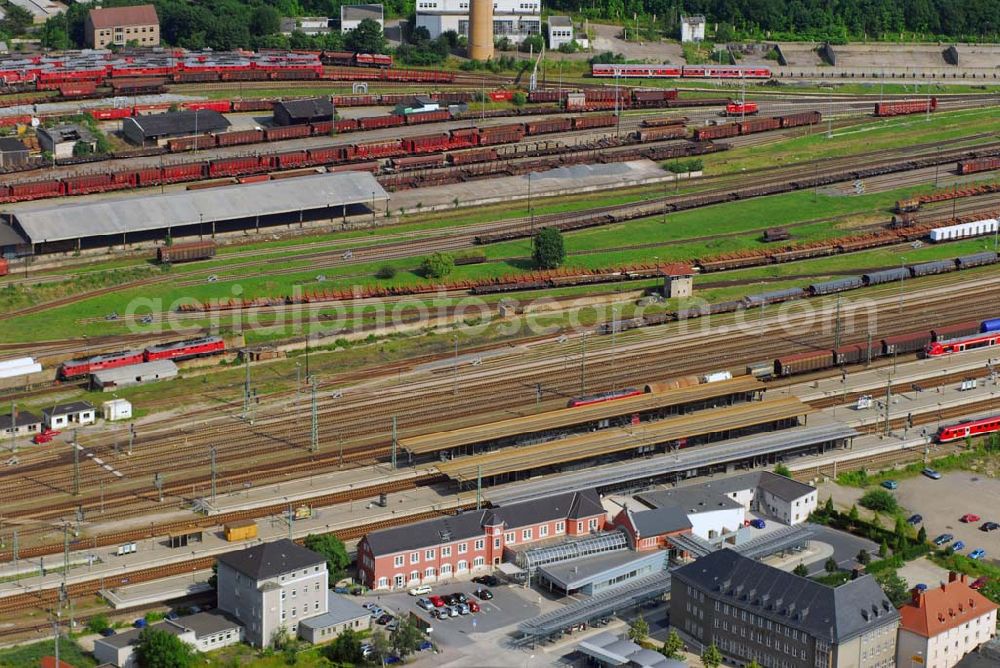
{"x":65,"y":225}
{"x":673,"y":433}
{"x":593,"y":574}
{"x":653,"y":405}
{"x":672,"y":466}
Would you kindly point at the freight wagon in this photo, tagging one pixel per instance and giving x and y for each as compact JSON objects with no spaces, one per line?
{"x":964,"y":230}
{"x":716,"y":131}
{"x":978,"y":165}
{"x":242,"y":530}
{"x":186,"y":252}
{"x":883,"y":109}
{"x":659,"y":134}
{"x":4,"y":267}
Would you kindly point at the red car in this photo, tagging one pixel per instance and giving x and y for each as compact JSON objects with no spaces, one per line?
{"x":436,"y":600}
{"x":979,"y":583}
{"x":473,"y":606}
{"x":45,"y":436}
{"x":969,"y":517}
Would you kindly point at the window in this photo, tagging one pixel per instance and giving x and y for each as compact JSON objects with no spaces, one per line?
{"x":316,"y":606}
{"x":446,"y":551}
{"x":463,"y":548}
{"x":593,"y":523}
{"x":478,"y":561}
{"x":579,"y":527}
{"x":543,"y":531}
{"x":463,"y":565}
{"x":445,"y":569}
{"x":398,"y":561}
{"x":560,"y":527}
{"x":294,"y":592}
{"x":316,"y":588}
{"x":283,"y":615}
{"x":480,"y":544}
{"x":283,"y":594}
{"x":428,"y":555}
{"x":294,"y":612}
{"x":429,"y":572}
{"x":414,"y":557}
{"x":526,"y":534}
{"x":509,"y":537}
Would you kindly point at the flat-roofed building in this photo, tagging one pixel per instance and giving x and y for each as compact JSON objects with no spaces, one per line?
{"x":351,"y":16}
{"x":512,"y":19}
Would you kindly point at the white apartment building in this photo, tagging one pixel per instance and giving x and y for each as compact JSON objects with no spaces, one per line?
{"x":513,"y":19}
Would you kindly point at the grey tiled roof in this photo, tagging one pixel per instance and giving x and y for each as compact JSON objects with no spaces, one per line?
{"x":270,"y":559}
{"x":834,"y":614}
{"x":659,"y":521}
{"x":179,"y":123}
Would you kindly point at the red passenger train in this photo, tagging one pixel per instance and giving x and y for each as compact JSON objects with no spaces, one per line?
{"x":603,"y":397}
{"x":681,"y":71}
{"x":955,"y":432}
{"x":961,"y":344}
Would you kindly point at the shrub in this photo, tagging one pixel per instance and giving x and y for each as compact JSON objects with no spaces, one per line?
{"x":549,"y":251}
{"x":879,"y":500}
{"x":437,"y":265}
{"x":386,"y":271}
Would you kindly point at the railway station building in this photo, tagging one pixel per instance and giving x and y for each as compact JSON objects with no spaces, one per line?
{"x":65,"y":415}
{"x":473,"y":541}
{"x":156,"y":129}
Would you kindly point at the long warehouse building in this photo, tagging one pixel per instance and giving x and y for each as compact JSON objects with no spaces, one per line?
{"x":70,"y":225}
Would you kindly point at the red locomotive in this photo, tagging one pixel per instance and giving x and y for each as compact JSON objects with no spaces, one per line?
{"x":741,"y":109}
{"x":601,"y":397}
{"x":954,"y":432}
{"x":82,"y":367}
{"x":182,"y":350}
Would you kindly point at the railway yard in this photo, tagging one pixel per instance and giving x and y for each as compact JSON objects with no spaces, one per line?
{"x":352,"y":325}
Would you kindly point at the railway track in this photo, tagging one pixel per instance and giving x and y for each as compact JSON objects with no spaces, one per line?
{"x":877,"y":462}
{"x":276,"y":435}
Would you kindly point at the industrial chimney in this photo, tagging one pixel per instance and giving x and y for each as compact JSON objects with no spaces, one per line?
{"x":481,"y":29}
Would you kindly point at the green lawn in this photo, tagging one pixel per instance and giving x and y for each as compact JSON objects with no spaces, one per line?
{"x":24,"y":656}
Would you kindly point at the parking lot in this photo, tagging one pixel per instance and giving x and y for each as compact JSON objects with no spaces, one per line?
{"x":942,"y":502}
{"x":509,"y":605}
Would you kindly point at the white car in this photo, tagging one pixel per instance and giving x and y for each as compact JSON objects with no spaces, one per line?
{"x":420,"y":591}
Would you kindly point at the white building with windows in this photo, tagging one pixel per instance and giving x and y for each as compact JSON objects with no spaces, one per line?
{"x":692,"y":28}
{"x":560,"y":31}
{"x":272,"y":585}
{"x":513,"y":19}
{"x":351,"y":16}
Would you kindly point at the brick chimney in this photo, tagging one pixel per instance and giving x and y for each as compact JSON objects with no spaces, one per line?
{"x":918,"y":598}
{"x":952,"y":576}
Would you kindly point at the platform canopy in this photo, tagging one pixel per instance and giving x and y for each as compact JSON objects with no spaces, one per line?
{"x":105,"y":217}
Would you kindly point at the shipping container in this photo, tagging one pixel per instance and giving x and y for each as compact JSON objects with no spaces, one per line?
{"x":964,"y":230}
{"x":803,"y":362}
{"x":186,"y":252}
{"x":243,"y":530}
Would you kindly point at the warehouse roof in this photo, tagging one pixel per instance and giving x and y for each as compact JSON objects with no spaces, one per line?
{"x":560,"y":22}
{"x":313,"y":107}
{"x":185,"y":122}
{"x":9,"y":144}
{"x":115,"y":375}
{"x":268,"y":560}
{"x":137,"y":15}
{"x":190,"y":207}
{"x":339,"y":609}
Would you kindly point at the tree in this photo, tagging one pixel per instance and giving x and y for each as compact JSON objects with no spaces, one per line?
{"x":17,"y":20}
{"x":385,"y":271}
{"x":406,"y":638}
{"x":346,"y":648}
{"x":533,"y":43}
{"x":863,"y":556}
{"x":782,"y":470}
{"x":754,"y":664}
{"x":333,"y":549}
{"x":853,"y":514}
{"x":828,"y":506}
{"x":265,"y":20}
{"x":672,"y":646}
{"x":82,"y":149}
{"x":895,"y":587}
{"x":549,"y":251}
{"x":831,"y":565}
{"x":97,"y":623}
{"x":801,"y":570}
{"x":380,"y":644}
{"x":158,"y":649}
{"x":638,"y":629}
{"x":922,"y":535}
{"x":879,"y":500}
{"x":366,"y":38}
{"x":711,"y":657}
{"x":883,"y":549}
{"x":519,"y":99}
{"x":437,"y":265}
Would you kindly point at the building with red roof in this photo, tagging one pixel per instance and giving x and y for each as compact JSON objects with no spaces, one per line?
{"x":940,"y":626}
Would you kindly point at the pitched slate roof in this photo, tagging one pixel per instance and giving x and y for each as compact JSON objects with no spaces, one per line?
{"x":936,"y":611}
{"x":24,"y":418}
{"x":313,"y":107}
{"x":179,"y":123}
{"x":659,"y":521}
{"x":137,"y":15}
{"x":568,"y":506}
{"x":270,"y":559}
{"x":11,"y":145}
{"x":833,"y":614}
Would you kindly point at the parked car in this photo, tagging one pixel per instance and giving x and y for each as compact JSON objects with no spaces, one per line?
{"x":931,"y":473}
{"x":758,"y":523}
{"x":108,"y":632}
{"x":989,"y":526}
{"x":368,"y":605}
{"x":979,"y":583}
{"x":473,"y":606}
{"x":436,"y":600}
{"x":921,"y":587}
{"x":45,"y":436}
{"x":367,"y":649}
{"x":968,"y":518}
{"x":450,"y":599}
{"x":139,"y":623}
{"x":392,"y":659}
{"x":392,"y":625}
{"x":425,"y":604}
{"x":384,"y":618}
{"x":425,"y":645}
{"x":376,"y":612}
{"x":487,"y":580}
{"x":978,"y":553}
{"x":420,"y":591}
{"x":915,"y":519}
{"x":463,"y":608}
{"x":452,"y":611}
{"x":944,"y":538}
{"x":460,"y":597}
{"x":959,"y":545}
{"x":890,"y":484}
{"x":484,"y":594}
{"x":173,"y":616}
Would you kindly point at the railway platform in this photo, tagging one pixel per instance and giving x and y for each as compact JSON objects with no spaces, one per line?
{"x":873,"y":380}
